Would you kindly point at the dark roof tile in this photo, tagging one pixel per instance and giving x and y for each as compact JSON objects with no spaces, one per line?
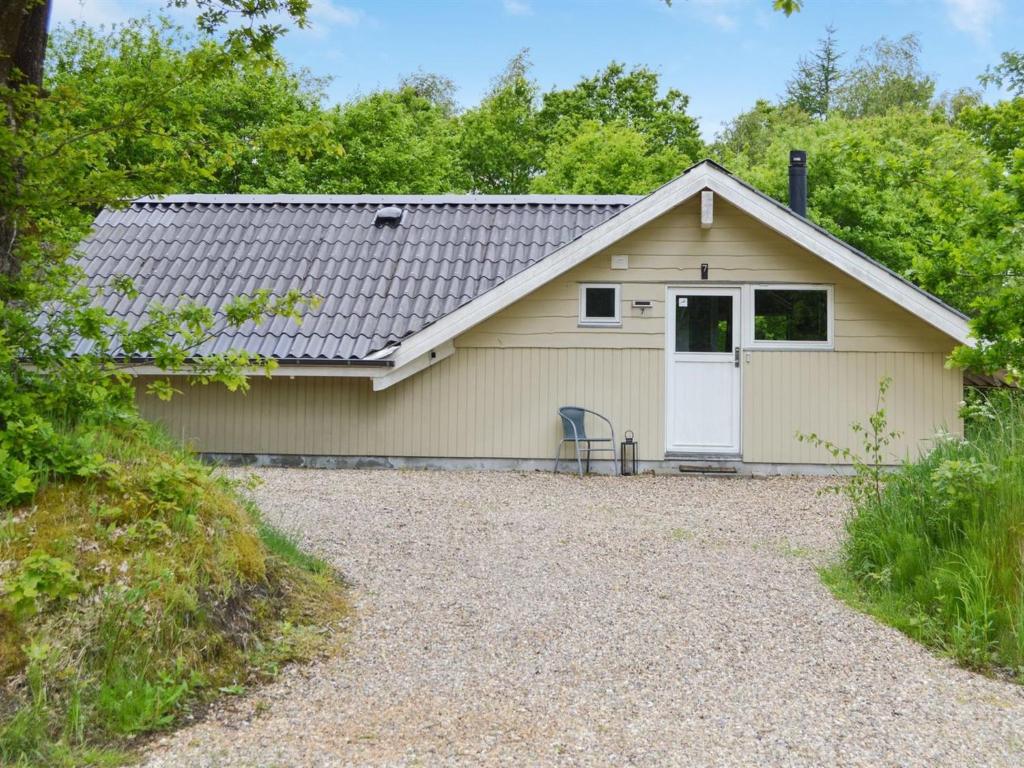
{"x":378,"y":285}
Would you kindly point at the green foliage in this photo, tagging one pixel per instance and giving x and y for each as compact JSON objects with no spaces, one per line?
{"x":140,"y":591}
{"x":395,"y":142}
{"x":746,"y":140}
{"x":886,"y":76}
{"x":225,"y":123}
{"x":607,"y":159}
{"x":934,"y":191}
{"x":499,"y":140}
{"x":39,"y":578}
{"x":914,"y":192}
{"x":261,"y":20}
{"x":938,"y":553}
{"x":1008,"y":73}
{"x":812,"y":87}
{"x":617,"y":98}
{"x":870,"y":464}
{"x":124,"y":114}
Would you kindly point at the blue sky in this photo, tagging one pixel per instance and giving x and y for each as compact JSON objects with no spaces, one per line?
{"x":723,"y":53}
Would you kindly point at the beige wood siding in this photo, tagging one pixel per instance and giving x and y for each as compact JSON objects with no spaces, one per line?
{"x":477,"y":403}
{"x":496,"y":397}
{"x":670,"y":251}
{"x":824,"y":392}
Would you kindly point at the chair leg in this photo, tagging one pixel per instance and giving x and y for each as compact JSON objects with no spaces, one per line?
{"x":589,"y":451}
{"x":579,"y":464}
{"x":558,"y":453}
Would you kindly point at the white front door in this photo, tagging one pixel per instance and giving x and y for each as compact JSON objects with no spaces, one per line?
{"x":703,"y":374}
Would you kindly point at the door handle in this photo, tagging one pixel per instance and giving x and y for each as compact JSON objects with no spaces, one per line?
{"x":736,"y":357}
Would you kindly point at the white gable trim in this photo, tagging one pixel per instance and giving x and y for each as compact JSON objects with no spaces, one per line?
{"x":701,"y":177}
{"x":844,"y":258}
{"x":565,"y":258}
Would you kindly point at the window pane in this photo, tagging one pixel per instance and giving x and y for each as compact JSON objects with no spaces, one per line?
{"x":600,"y":304}
{"x":790,"y":315}
{"x":704,"y":324}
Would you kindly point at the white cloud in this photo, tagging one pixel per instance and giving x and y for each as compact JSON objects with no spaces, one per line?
{"x":517,"y":8}
{"x":723,"y":21}
{"x":975,"y":17}
{"x":328,"y":14}
{"x":715,"y":13}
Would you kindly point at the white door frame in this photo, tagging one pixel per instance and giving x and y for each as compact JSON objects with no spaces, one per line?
{"x":736,"y":290}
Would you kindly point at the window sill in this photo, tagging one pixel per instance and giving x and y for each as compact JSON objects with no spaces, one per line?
{"x":599,"y":324}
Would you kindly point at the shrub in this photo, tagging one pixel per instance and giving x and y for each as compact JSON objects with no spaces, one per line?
{"x":938,"y":553}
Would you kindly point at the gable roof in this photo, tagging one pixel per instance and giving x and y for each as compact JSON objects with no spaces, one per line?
{"x":378,"y":284}
{"x":706,"y":175}
{"x":398,"y":296}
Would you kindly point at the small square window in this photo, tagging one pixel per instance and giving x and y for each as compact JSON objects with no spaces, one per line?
{"x":599,"y":304}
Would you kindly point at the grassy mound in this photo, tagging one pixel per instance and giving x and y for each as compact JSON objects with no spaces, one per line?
{"x":131,"y":596}
{"x":940,"y":555}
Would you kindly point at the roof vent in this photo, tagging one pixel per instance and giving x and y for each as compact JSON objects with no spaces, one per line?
{"x":389,"y":216}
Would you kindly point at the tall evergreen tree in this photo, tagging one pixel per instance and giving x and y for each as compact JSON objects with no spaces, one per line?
{"x":813,"y":85}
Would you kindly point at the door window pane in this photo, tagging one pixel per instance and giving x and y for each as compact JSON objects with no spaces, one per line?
{"x":785,"y":314}
{"x":704,"y":324}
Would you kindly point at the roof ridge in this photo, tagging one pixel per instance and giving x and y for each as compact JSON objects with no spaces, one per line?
{"x":446,"y":199}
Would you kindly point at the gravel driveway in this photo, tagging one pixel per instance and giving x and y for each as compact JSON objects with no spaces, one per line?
{"x":525,"y":619}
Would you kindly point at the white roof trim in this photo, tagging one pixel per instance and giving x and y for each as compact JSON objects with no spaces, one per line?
{"x":281,"y":372}
{"x":705,"y":175}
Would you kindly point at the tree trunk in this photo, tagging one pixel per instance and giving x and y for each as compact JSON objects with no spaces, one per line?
{"x":23,"y":40}
{"x":23,"y":30}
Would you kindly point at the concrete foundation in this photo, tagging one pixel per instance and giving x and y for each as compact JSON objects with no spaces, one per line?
{"x":725,"y":468}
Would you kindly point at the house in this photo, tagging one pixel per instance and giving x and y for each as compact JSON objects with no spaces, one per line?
{"x":711,"y":320}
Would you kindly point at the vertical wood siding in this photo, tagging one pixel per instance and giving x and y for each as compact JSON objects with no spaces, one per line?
{"x":496,"y":397}
{"x":823,"y":392}
{"x":489,"y":403}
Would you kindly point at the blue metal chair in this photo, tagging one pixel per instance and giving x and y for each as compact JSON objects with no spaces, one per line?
{"x":574,"y":431}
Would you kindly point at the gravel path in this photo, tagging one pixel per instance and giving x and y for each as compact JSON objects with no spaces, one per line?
{"x":525,"y":619}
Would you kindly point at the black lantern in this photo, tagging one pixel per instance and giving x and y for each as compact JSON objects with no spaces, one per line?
{"x":627,"y":457}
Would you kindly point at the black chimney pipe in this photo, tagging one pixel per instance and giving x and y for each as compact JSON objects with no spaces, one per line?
{"x":798,"y":181}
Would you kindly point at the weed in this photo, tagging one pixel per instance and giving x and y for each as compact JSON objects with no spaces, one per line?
{"x":937,"y":551}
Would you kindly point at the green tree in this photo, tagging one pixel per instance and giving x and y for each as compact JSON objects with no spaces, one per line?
{"x":813,"y":85}
{"x":746,"y":139}
{"x":257,"y":123}
{"x":911,"y":190}
{"x":499,"y":140}
{"x":396,"y":142}
{"x":60,"y":174}
{"x":609,"y":158}
{"x":437,"y":89}
{"x":629,"y":98}
{"x":999,"y":126}
{"x":1008,"y":73}
{"x":885,"y":76}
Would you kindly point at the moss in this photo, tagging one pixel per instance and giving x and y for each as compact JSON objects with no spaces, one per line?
{"x":176,"y":594}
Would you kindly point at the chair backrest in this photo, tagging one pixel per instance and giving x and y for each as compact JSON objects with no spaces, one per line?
{"x":572,"y":422}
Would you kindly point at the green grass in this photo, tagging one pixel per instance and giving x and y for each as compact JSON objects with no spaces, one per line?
{"x":138,"y":594}
{"x":939,"y":555}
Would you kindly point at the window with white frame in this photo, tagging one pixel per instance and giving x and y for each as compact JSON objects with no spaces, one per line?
{"x":797,"y":316}
{"x":599,"y":304}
